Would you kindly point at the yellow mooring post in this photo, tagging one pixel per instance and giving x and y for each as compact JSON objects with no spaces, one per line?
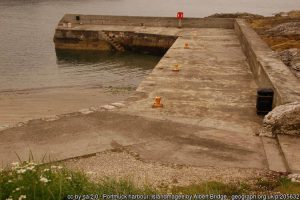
{"x":157,"y":103}
{"x":186,"y":46}
{"x":176,"y":68}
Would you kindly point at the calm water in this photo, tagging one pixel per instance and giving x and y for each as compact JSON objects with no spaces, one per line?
{"x":28,"y":58}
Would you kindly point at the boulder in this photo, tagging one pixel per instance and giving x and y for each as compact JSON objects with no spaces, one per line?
{"x":291,"y":14}
{"x":284,"y":119}
{"x":285,"y":29}
{"x":291,"y":57}
{"x":294,"y":14}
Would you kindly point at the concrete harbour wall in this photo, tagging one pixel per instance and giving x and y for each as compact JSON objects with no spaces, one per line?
{"x":94,"y":40}
{"x":226,"y":23}
{"x":86,"y":33}
{"x":268,"y":70}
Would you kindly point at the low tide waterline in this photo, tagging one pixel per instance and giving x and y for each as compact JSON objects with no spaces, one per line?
{"x":82,"y":68}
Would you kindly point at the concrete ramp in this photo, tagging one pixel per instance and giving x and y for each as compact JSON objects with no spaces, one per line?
{"x":213,"y":88}
{"x":152,"y":140}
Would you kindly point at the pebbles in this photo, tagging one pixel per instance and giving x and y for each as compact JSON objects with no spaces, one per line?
{"x":294,"y":177}
{"x":3,"y":127}
{"x":108,"y":107}
{"x":124,"y":165}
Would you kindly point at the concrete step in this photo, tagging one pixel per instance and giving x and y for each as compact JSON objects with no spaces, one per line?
{"x":114,"y":43}
{"x":290,"y":146}
{"x":275,"y":158}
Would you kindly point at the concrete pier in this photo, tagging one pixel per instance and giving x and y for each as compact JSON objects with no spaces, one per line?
{"x":208,"y":116}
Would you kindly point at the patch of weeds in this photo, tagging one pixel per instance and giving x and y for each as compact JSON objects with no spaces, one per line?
{"x":28,"y":180}
{"x":286,"y":186}
{"x":213,"y":187}
{"x":116,"y":90}
{"x":266,"y":184}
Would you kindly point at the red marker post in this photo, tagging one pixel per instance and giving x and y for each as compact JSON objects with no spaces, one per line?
{"x":179,"y":17}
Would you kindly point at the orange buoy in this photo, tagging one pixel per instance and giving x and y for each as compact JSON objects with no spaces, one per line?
{"x":176,"y":68}
{"x":186,"y":46}
{"x":157,"y":103}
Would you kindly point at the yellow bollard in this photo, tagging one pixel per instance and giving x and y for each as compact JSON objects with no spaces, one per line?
{"x":176,"y":68}
{"x":186,"y":46}
{"x":157,"y":103}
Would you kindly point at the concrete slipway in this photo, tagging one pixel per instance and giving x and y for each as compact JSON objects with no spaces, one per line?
{"x":208,"y":118}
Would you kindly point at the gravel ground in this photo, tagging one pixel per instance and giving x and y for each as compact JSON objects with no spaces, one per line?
{"x":125,"y":165}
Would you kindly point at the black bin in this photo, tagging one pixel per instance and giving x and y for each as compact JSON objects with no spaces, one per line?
{"x":264,"y":101}
{"x":77,"y":17}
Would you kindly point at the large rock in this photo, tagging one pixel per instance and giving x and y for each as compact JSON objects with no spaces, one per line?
{"x":284,"y":119}
{"x":291,"y":14}
{"x":291,"y":57}
{"x":285,"y":29}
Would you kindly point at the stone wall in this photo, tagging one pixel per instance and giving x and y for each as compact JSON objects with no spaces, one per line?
{"x":94,"y":40}
{"x":268,"y":70}
{"x":80,"y":40}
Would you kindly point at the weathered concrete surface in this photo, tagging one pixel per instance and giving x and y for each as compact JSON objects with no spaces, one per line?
{"x":290,"y":146}
{"x":149,"y":21}
{"x":165,"y":141}
{"x":276,"y":161}
{"x":213,"y":88}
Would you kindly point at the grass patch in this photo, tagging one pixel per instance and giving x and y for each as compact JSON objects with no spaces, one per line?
{"x":281,"y":185}
{"x":213,"y":187}
{"x":52,"y":182}
{"x":286,"y":186}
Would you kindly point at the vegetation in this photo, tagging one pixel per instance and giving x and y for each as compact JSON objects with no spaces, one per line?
{"x":53,"y":182}
{"x":262,"y":25}
{"x":277,"y":42}
{"x":28,"y":180}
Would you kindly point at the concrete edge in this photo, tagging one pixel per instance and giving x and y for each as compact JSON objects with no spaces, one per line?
{"x":275,"y":156}
{"x":291,"y":160}
{"x":268,"y":70}
{"x":227,"y":23}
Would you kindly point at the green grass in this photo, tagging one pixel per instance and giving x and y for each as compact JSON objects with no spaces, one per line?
{"x":54,"y":182}
{"x":285,"y":186}
{"x":277,"y":185}
{"x":213,"y":187}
